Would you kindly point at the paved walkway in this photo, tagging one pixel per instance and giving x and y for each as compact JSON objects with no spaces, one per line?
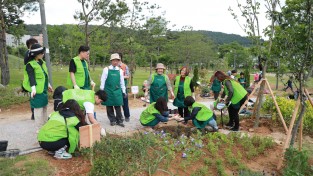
{"x":22,"y":134}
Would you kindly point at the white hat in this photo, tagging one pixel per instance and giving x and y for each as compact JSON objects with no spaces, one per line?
{"x":160,"y":65}
{"x":115,"y":56}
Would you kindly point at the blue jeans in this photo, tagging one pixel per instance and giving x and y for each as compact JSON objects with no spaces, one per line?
{"x":126,"y":108}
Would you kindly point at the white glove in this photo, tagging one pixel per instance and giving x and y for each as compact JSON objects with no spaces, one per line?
{"x":76,"y":87}
{"x":92,"y":83}
{"x":50,"y":87}
{"x":103,"y":132}
{"x":194,"y":96}
{"x":33,"y":93}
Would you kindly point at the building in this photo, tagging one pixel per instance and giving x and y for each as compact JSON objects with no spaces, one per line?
{"x":11,"y":40}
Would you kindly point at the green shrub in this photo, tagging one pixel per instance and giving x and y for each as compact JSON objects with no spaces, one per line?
{"x":297,"y":163}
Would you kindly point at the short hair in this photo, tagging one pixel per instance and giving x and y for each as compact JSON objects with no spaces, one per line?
{"x":241,"y":73}
{"x":83,"y":48}
{"x":188,"y":101}
{"x":234,"y":71}
{"x":30,"y":42}
{"x":102,"y":95}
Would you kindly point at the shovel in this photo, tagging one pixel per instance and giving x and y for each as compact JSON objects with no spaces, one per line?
{"x":220,"y":106}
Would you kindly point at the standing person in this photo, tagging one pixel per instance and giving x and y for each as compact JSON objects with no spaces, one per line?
{"x":233,"y":74}
{"x":79,"y":76}
{"x":201,"y":116}
{"x":183,"y":87}
{"x":216,"y":86}
{"x":159,"y":84}
{"x":256,"y":77}
{"x":29,"y":43}
{"x":62,"y":130}
{"x":125,"y":69}
{"x":236,"y":96}
{"x":87,"y":99}
{"x":289,"y":84}
{"x":36,"y":82}
{"x":242,"y":80}
{"x":112,"y":81}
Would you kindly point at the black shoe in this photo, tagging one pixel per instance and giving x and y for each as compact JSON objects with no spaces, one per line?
{"x":127,"y":119}
{"x":32,"y":118}
{"x":112,"y":123}
{"x":121,"y":124}
{"x":234,"y":129}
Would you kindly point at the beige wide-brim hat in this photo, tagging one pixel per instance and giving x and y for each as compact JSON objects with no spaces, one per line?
{"x":160,"y":65}
{"x":115,"y":56}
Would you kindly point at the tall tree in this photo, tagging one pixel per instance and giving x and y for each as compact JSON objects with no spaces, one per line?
{"x":10,"y":12}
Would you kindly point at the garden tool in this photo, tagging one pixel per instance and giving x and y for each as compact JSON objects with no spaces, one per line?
{"x":220,"y":106}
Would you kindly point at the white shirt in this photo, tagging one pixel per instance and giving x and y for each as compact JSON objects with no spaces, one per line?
{"x":104,"y":76}
{"x":89,"y":107}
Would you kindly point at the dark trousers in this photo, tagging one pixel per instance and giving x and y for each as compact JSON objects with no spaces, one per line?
{"x":32,"y":117}
{"x":54,"y":146}
{"x":233,"y":111}
{"x":125,"y":107}
{"x":183,"y":112}
{"x":216,"y":94}
{"x":111,"y":115}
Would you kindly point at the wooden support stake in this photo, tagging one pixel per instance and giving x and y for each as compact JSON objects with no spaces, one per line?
{"x":251,"y":94}
{"x":277,"y":107}
{"x":301,"y":135}
{"x":287,"y":141}
{"x":308,"y":95}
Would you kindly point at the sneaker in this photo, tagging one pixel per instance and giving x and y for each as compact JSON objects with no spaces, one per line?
{"x":121,"y":124}
{"x":51,"y":153}
{"x":127,"y":119}
{"x":209,"y":128}
{"x":228,"y":126}
{"x":62,"y":154}
{"x":112,"y":123}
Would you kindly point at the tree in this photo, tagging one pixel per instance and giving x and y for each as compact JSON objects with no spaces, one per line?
{"x":10,"y":12}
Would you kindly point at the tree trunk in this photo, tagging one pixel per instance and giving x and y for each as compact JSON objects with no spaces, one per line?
{"x":4,"y":60}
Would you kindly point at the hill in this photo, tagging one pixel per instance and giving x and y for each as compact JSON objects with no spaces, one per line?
{"x":218,"y":37}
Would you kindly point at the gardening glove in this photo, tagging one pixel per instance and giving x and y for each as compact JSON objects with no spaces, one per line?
{"x":103,"y":132}
{"x":76,"y":87}
{"x":33,"y":93}
{"x":194,"y":96}
{"x":92,"y":83}
{"x":50,"y":87}
{"x":228,"y":103}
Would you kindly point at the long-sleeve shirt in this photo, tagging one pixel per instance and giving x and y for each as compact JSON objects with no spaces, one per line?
{"x":193,"y":114}
{"x":105,"y":75}
{"x":230,"y":91}
{"x":168,"y":82}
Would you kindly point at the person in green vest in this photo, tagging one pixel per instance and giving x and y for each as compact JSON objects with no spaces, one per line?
{"x":216,"y":86}
{"x":183,"y":87}
{"x":236,"y":96}
{"x":87,"y":99}
{"x":201,"y":115}
{"x":79,"y":76}
{"x":159,"y":84}
{"x":242,"y":80}
{"x":112,"y":81}
{"x":36,"y":82}
{"x":155,"y":113}
{"x":62,"y":130}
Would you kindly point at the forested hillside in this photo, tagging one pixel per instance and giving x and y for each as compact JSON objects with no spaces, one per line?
{"x":218,"y":37}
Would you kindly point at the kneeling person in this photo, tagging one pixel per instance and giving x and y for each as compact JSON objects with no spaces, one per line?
{"x":87,"y":100}
{"x":155,"y":113}
{"x":201,"y":115}
{"x":62,"y":130}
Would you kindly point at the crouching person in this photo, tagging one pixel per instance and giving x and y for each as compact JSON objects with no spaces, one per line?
{"x":155,"y":113}
{"x":201,"y":116}
{"x":61,"y":132}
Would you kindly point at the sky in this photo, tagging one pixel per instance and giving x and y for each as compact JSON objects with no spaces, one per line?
{"x":210,"y":15}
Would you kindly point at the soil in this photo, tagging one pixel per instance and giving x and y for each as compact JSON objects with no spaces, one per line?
{"x":81,"y":166}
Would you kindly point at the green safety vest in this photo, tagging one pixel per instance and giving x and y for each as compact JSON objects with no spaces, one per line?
{"x":39,"y":76}
{"x":80,"y":95}
{"x":187,"y":90}
{"x":158,"y":87}
{"x":55,"y":129}
{"x":204,"y":114}
{"x":239,"y":91}
{"x":79,"y":74}
{"x":147,"y":115}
